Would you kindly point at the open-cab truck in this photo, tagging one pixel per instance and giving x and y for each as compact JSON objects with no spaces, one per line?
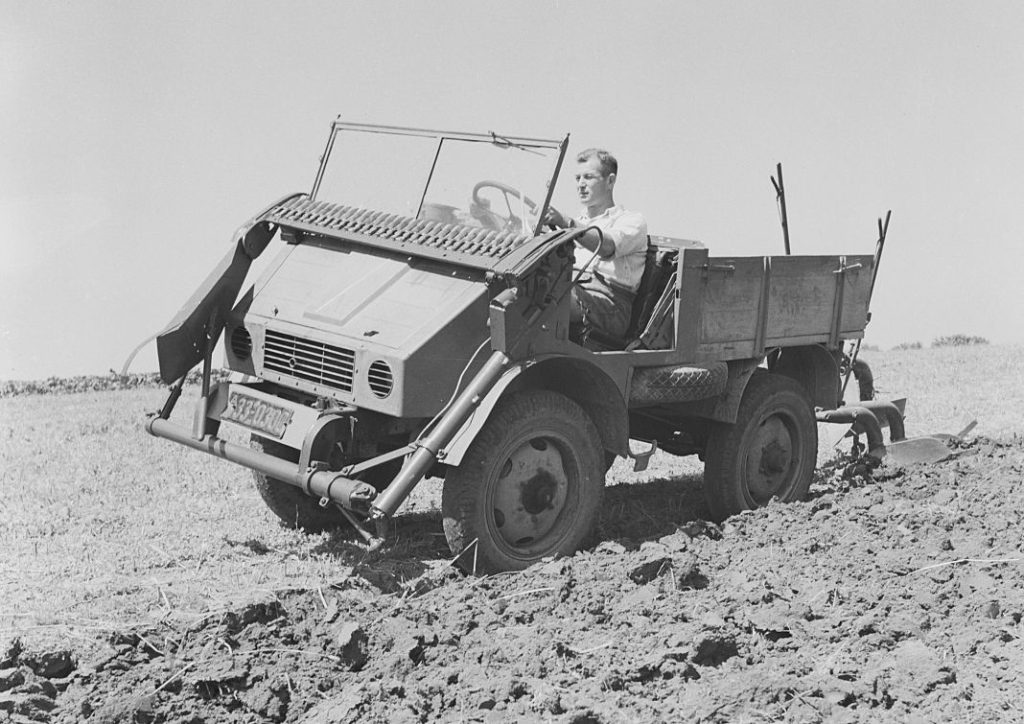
{"x":416,"y":321}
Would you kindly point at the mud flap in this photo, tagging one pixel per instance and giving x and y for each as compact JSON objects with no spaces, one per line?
{"x":184,"y":342}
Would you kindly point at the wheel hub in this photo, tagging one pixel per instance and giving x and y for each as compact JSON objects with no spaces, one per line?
{"x":538,"y":493}
{"x":770,"y":463}
{"x":530,"y":492}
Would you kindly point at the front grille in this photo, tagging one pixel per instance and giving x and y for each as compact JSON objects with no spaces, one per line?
{"x":309,"y":360}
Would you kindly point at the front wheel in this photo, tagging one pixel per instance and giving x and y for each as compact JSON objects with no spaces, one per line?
{"x":528,"y":487}
{"x":769,"y":452}
{"x":291,"y":505}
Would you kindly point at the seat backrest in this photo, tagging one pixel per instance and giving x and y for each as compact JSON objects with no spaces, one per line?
{"x":659,"y":267}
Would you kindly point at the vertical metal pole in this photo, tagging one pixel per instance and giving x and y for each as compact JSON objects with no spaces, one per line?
{"x":780,"y":199}
{"x":323,"y":162}
{"x":551,"y":184}
{"x":199,"y":421}
{"x":430,"y":177}
{"x":883,"y":229}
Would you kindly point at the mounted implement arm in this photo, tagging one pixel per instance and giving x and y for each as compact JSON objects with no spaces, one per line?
{"x":185,"y":341}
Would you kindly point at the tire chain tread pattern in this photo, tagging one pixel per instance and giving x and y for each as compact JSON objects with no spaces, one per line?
{"x":723,"y":447}
{"x":459,"y":500}
{"x":676,"y":383}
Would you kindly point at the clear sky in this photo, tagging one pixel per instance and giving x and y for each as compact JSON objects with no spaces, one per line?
{"x":136,"y":136}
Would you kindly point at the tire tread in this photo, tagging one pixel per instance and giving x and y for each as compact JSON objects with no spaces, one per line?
{"x":462,"y":489}
{"x":721,"y":470}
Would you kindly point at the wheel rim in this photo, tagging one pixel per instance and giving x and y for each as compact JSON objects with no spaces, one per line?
{"x":771,"y":462}
{"x":529,"y":492}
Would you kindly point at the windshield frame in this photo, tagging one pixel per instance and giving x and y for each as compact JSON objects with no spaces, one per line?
{"x":491,"y":137}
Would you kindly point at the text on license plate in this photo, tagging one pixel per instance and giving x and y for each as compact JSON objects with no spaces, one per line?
{"x":257,"y":414}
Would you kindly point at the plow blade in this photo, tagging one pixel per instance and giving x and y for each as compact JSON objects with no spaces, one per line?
{"x":926,"y":448}
{"x":870,"y":417}
{"x":916,"y":451}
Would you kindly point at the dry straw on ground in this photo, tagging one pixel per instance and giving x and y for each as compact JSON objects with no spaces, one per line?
{"x":116,"y":543}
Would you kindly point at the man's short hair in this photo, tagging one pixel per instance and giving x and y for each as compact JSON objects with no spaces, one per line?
{"x":608,"y":162}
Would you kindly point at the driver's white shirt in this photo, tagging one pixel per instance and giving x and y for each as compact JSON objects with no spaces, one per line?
{"x":628,"y":231}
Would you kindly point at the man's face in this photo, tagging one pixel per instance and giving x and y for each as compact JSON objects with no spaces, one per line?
{"x":592,"y":187}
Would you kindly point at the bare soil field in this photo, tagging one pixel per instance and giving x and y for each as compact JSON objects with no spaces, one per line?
{"x":140,"y":582}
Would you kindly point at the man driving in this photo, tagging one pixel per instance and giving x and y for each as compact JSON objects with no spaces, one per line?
{"x":611,"y":260}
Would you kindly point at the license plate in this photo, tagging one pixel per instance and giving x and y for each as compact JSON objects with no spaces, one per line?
{"x":257,"y":414}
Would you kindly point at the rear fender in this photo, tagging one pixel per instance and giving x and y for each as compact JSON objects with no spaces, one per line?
{"x":814,"y":368}
{"x":577,"y":379}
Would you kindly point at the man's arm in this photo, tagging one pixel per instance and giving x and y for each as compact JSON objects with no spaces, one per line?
{"x":594,"y":240}
{"x":591,"y":240}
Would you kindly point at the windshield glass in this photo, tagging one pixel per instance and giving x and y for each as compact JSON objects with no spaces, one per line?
{"x":481,"y":181}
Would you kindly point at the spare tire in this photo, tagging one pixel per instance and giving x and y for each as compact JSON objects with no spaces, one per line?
{"x":677,"y":383}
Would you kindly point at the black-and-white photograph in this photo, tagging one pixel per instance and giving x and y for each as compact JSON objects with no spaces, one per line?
{"x":475,"y":361}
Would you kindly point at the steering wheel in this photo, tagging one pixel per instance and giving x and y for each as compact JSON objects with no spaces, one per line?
{"x":481,"y":207}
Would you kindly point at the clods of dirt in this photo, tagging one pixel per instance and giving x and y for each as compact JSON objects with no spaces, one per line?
{"x":30,"y":682}
{"x":895,"y":595}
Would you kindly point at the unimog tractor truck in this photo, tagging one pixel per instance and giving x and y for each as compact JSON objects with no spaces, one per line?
{"x":416,"y":322}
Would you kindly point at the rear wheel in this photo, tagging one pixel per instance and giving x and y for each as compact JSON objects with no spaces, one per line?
{"x":769,"y":452}
{"x":528,"y":487}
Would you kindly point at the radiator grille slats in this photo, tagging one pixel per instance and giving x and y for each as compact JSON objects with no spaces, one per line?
{"x":309,"y":360}
{"x":484,"y":243}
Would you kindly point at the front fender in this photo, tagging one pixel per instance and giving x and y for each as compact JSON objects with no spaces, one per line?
{"x":451,"y":454}
{"x":581,"y":381}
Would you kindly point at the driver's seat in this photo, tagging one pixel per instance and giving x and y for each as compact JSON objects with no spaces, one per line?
{"x":652,"y":308}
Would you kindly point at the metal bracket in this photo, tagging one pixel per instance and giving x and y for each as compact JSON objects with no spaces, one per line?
{"x":200,"y":425}
{"x":643,"y":458}
{"x":172,"y":399}
{"x":351,"y":470}
{"x":314,"y":467}
{"x":706,"y":269}
{"x":373,"y":542}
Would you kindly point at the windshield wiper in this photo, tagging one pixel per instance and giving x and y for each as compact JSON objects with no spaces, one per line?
{"x":502,"y":142}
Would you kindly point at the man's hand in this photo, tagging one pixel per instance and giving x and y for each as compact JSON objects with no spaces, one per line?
{"x":555,"y":219}
{"x":592,"y":239}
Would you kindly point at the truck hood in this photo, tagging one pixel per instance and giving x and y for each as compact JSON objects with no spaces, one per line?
{"x":370,"y":299}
